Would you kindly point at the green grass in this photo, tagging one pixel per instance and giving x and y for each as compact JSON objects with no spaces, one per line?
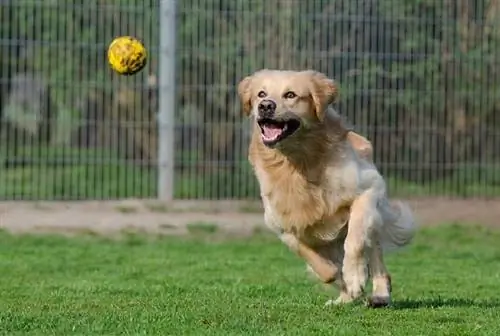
{"x":445,"y":284}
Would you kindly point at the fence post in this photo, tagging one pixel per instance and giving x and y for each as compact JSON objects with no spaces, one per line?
{"x":167,"y":99}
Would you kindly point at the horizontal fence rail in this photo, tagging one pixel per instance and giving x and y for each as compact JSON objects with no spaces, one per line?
{"x":420,"y":79}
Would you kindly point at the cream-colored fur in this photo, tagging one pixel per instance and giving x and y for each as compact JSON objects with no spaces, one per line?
{"x":320,"y":187}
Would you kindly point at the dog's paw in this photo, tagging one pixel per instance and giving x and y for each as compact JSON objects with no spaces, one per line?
{"x":381,"y":295}
{"x":343,"y":298}
{"x":378,"y":301}
{"x":354,"y":276}
{"x":330,"y":302}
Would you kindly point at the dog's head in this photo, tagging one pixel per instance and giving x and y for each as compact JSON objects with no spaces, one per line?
{"x":286,"y":102}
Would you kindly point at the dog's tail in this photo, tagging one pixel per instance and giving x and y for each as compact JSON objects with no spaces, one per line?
{"x":399,"y":226}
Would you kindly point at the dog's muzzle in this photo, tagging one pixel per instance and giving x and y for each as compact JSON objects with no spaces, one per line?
{"x":276,"y":130}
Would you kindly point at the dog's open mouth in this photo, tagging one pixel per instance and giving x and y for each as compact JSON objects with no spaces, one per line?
{"x":273,"y":131}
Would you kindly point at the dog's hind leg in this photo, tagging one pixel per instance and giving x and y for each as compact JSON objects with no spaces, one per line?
{"x":381,"y":295}
{"x":361,"y":145}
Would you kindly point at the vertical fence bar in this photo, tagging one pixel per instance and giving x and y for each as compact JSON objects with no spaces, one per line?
{"x":167,"y":99}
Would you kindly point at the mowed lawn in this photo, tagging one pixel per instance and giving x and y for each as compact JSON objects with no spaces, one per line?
{"x":447,"y":283}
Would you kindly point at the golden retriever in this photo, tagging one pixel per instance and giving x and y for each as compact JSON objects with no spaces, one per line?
{"x":321,"y":191}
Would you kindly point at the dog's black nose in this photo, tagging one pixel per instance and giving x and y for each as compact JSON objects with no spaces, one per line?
{"x":267,"y":107}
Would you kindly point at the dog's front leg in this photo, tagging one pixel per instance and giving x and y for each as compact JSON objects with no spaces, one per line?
{"x":381,"y":278}
{"x":324,"y":269}
{"x":363,"y":220}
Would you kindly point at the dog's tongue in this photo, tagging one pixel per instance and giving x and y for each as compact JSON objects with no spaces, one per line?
{"x":272,"y":131}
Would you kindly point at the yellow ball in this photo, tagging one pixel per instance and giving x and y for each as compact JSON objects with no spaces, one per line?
{"x":127,"y":55}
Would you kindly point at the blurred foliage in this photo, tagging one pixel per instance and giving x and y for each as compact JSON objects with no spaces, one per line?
{"x":420,"y":78}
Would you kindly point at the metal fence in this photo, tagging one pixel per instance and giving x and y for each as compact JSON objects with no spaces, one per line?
{"x":420,"y":79}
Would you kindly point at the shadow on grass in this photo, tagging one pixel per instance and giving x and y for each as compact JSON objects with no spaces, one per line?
{"x":444,"y":302}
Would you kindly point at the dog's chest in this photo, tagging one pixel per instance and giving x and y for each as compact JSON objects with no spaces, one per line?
{"x":310,"y":209}
{"x":313,"y":215}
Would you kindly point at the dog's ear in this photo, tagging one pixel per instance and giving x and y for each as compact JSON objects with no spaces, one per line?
{"x":245,"y":93}
{"x":324,"y":92}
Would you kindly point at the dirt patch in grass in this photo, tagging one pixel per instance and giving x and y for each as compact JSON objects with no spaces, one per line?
{"x":224,"y":217}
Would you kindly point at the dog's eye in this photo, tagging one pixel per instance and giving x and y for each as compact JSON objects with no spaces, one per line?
{"x":290,"y":95}
{"x":261,"y":94}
